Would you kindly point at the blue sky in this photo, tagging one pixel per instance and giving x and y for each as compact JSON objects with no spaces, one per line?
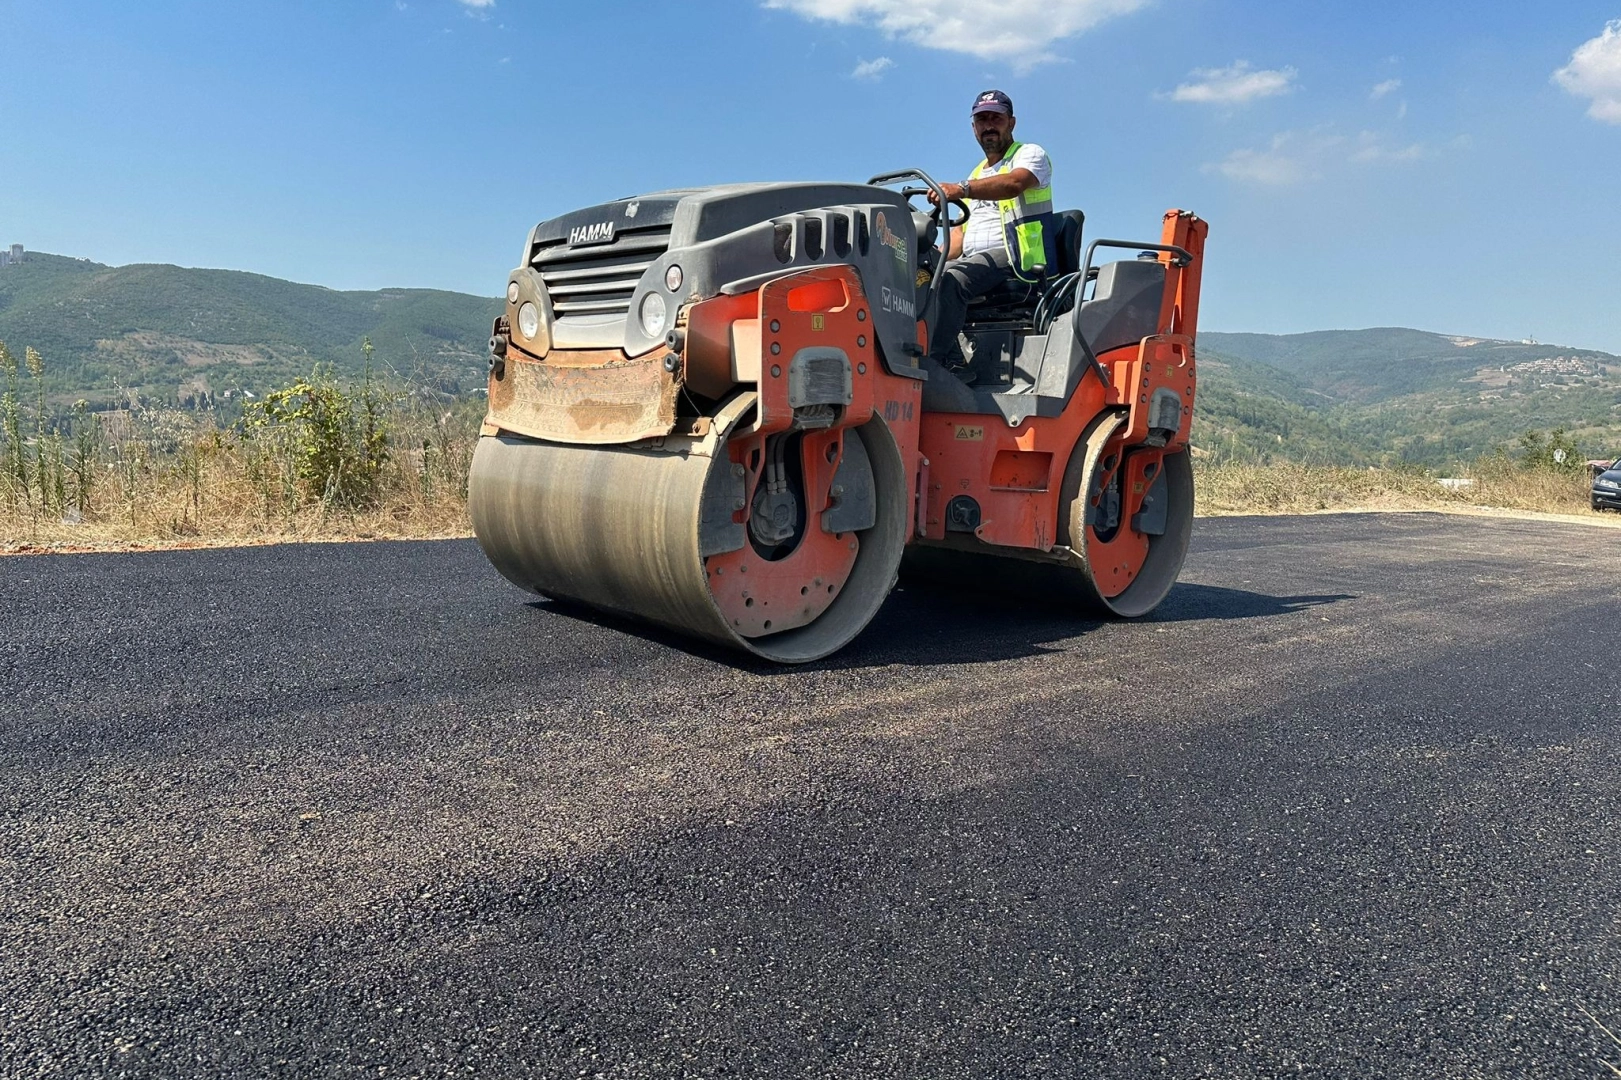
{"x":1452,"y":167}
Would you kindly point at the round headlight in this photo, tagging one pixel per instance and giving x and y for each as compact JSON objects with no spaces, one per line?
{"x":672,"y":277}
{"x":529,"y":319}
{"x":512,"y":292}
{"x":653,"y":315}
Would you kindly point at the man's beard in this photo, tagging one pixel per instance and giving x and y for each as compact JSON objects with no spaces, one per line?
{"x":993,"y":142}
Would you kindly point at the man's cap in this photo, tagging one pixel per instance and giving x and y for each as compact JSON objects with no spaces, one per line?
{"x":992,"y":101}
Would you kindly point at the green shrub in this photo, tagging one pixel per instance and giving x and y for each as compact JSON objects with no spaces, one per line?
{"x":334,"y":441}
{"x":1554,"y":450}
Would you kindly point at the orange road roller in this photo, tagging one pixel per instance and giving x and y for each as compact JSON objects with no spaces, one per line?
{"x":713,"y":409}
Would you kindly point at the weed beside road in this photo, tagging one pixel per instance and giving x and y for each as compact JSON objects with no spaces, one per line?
{"x":313,"y":460}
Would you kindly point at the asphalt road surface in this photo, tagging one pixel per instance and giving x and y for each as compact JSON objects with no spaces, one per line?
{"x":1346,"y":805}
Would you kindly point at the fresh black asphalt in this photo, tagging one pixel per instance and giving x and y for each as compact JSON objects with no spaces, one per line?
{"x":1346,"y":805}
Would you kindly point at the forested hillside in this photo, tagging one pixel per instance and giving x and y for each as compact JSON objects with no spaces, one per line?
{"x":1391,"y":396}
{"x":173,"y":333}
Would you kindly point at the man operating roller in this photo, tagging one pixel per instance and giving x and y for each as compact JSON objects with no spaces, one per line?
{"x":1010,"y":232}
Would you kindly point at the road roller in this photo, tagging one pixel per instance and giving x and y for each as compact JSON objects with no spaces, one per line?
{"x":713,"y":410}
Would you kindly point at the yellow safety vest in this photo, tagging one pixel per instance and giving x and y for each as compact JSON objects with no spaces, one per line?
{"x":1028,"y":225}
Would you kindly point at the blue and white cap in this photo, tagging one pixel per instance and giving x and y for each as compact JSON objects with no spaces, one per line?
{"x":992,"y":101}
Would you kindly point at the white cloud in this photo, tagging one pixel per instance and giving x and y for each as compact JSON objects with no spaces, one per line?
{"x":1373,"y":148}
{"x":872,"y":69}
{"x":477,"y":5}
{"x":1019,"y":31}
{"x":1236,"y":85}
{"x":1288,"y":159}
{"x":1384,"y":88}
{"x":1594,"y":72}
{"x":1268,"y":167}
{"x":1294,"y":157}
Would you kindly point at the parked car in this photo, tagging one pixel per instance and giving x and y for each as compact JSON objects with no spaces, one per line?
{"x":1607,"y":488}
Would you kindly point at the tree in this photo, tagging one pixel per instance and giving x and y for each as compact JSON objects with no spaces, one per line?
{"x":1553,"y":450}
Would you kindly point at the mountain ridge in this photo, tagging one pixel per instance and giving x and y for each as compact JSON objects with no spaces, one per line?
{"x":150,"y":327}
{"x":1379,"y":395}
{"x":1390,"y":395}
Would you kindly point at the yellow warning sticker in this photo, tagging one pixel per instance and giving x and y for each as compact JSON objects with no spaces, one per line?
{"x":818,"y":322}
{"x":970,"y":434}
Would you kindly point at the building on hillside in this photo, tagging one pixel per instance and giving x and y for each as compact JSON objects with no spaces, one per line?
{"x":15,"y":255}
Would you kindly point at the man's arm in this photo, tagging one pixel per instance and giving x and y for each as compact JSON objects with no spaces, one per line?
{"x":954,"y":245}
{"x":996,"y":186}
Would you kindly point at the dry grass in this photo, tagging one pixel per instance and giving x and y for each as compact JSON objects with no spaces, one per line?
{"x":169,"y":479}
{"x":227,"y":511}
{"x":1286,"y":488}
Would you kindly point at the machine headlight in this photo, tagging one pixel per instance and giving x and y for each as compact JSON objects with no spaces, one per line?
{"x":512,"y":292}
{"x":653,"y":315}
{"x":529,"y":319}
{"x":672,"y":277}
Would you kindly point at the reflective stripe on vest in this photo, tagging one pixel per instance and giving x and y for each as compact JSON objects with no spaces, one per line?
{"x":1028,"y":225}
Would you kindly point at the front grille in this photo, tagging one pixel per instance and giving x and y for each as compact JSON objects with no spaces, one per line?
{"x":599,"y":279}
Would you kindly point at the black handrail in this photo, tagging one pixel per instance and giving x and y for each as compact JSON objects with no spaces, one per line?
{"x":939,"y":193}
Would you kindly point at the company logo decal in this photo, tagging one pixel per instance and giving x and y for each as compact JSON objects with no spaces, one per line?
{"x":890,"y":300}
{"x":892,"y":242}
{"x":600,"y":232}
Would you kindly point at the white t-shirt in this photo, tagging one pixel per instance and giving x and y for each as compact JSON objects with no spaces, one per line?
{"x":984,"y":229}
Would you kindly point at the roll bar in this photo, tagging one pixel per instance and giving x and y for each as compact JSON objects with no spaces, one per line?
{"x":1182,"y":257}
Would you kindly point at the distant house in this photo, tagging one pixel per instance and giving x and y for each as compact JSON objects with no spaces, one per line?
{"x":15,"y":255}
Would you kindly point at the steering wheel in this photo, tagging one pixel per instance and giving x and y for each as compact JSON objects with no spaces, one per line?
{"x":909,"y":193}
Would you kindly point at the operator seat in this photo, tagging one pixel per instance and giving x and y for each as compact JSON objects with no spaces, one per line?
{"x":1015,"y":301}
